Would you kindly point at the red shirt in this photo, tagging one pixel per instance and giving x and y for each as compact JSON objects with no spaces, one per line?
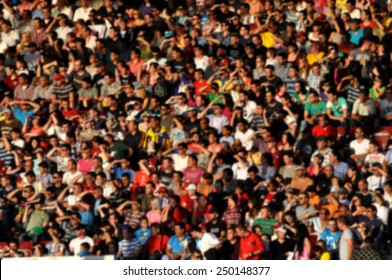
{"x":328,"y":131}
{"x":187,"y":202}
{"x":157,"y":243}
{"x":140,"y":180}
{"x":250,"y":244}
{"x":11,"y":83}
{"x":193,"y":175}
{"x":179,"y":214}
{"x":198,"y":85}
{"x":276,"y":159}
{"x":70,"y":113}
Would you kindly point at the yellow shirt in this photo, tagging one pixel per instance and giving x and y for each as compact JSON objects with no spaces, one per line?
{"x":388,"y":22}
{"x":267,"y":39}
{"x":312,"y":58}
{"x":325,"y":256}
{"x":255,"y":158}
{"x":341,"y":4}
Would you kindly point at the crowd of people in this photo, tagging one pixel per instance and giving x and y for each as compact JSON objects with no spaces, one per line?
{"x":196,"y":129}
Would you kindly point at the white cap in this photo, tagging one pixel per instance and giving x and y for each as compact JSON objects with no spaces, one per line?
{"x":290,"y":119}
{"x":191,"y":187}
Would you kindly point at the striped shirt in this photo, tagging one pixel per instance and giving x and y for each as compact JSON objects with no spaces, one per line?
{"x":129,"y":247}
{"x":231,"y":217}
{"x":63,"y":93}
{"x":132,"y":219}
{"x":352,"y":94}
{"x":290,"y":85}
{"x":6,"y":157}
{"x":340,"y":170}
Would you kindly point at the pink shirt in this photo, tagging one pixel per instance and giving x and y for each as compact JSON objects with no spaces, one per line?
{"x":154,"y":217}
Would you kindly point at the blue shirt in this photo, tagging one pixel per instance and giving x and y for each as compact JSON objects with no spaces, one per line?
{"x":142,"y":235}
{"x":331,"y":239}
{"x":356,"y":37}
{"x":21,"y":115}
{"x":87,"y":219}
{"x":119,"y":172}
{"x":176,"y":245}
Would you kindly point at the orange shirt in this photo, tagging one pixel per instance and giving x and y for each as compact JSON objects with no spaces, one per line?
{"x":250,"y":244}
{"x":136,"y":67}
{"x":315,"y":201}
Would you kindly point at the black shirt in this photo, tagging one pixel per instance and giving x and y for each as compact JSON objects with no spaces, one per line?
{"x":133,"y":141}
{"x":278,"y":250}
{"x":216,"y":228}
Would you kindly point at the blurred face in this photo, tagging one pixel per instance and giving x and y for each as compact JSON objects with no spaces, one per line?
{"x":178,"y":231}
{"x":332,"y":226}
{"x":230,"y":234}
{"x":328,"y":171}
{"x":240,"y":232}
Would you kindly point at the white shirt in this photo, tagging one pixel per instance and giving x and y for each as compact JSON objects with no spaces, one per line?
{"x":68,"y":177}
{"x":218,"y":122}
{"x":360,"y":148}
{"x":249,"y":110}
{"x":355,"y":14}
{"x":62,"y":32}
{"x":81,"y":14}
{"x":66,"y":11}
{"x":76,"y":242}
{"x":10,"y":39}
{"x":243,"y":138}
{"x":240,"y":173}
{"x":180,"y":163}
{"x":375,"y":182}
{"x":201,"y":63}
{"x":382,"y":213}
{"x":388,"y":199}
{"x":207,"y":242}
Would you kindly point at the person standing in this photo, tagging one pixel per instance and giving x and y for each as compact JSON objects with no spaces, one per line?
{"x":346,"y":243}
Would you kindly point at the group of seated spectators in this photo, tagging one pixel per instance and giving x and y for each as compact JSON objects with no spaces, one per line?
{"x":196,"y":129}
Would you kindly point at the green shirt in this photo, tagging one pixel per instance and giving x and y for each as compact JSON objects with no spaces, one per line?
{"x":337,"y":109}
{"x":211,"y":96}
{"x":372,"y":93}
{"x":296,"y":97}
{"x":38,"y":218}
{"x":119,"y":150}
{"x":315,"y":110}
{"x":266,"y":225}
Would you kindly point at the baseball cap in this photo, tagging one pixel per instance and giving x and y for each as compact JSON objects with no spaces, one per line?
{"x":190,"y":109}
{"x":191,"y":187}
{"x":32,"y":45}
{"x":162,"y":189}
{"x":79,"y":227}
{"x":6,"y":110}
{"x":298,"y":168}
{"x":343,"y":191}
{"x":58,"y":77}
{"x":362,"y":89}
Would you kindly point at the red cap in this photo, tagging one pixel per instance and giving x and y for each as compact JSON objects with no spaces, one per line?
{"x":162,"y":189}
{"x":58,"y":77}
{"x":301,"y":34}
